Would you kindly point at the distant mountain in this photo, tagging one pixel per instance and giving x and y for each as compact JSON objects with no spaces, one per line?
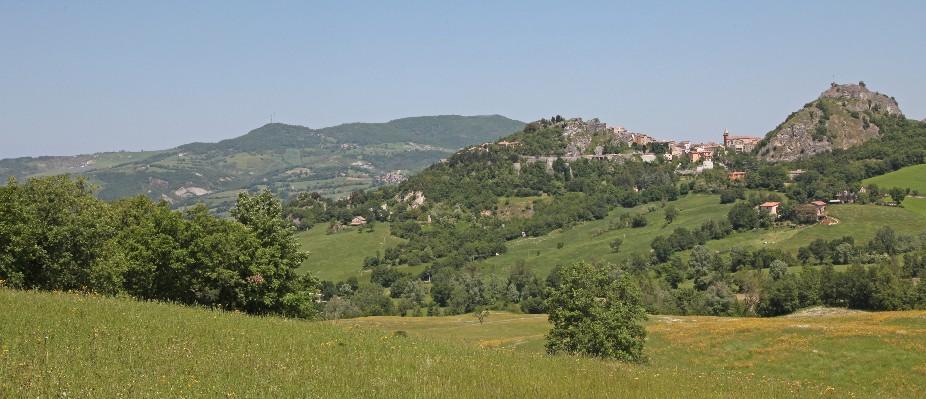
{"x":842,"y":117}
{"x":285,"y":158}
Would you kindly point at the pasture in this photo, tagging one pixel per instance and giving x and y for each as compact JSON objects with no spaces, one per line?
{"x":340,"y":255}
{"x":912,"y":177}
{"x":68,"y":345}
{"x":831,"y":352}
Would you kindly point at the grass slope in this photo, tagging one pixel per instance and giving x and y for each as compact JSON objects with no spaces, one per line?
{"x":859,"y":221}
{"x":65,"y":345}
{"x":841,"y":355}
{"x":338,"y":256}
{"x":912,"y":177}
{"x":591,"y":240}
{"x":915,"y":205}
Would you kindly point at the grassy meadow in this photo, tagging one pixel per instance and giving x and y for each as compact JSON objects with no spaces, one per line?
{"x":68,"y":345}
{"x":912,"y":177}
{"x":915,"y":205}
{"x":340,"y":255}
{"x":845,"y":354}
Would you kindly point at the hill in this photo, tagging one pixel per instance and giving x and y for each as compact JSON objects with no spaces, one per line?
{"x":57,"y":344}
{"x":842,"y":117}
{"x":285,"y":158}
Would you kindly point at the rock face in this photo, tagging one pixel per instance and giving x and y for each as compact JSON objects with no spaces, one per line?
{"x":857,"y":97}
{"x":592,"y":137}
{"x":840,"y":118}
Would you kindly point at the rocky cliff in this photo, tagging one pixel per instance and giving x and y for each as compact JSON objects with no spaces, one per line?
{"x":840,"y":118}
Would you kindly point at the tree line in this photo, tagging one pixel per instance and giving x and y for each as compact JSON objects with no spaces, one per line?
{"x":55,"y":235}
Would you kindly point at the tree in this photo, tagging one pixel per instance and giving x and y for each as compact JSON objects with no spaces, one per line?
{"x":843,"y":253}
{"x":481,"y":315}
{"x":820,"y":249}
{"x":728,"y":196}
{"x":898,"y":193}
{"x":885,"y":241}
{"x":638,"y":220}
{"x":671,"y":213}
{"x":616,"y":245}
{"x":371,"y":301}
{"x":804,"y":254}
{"x":781,"y":297}
{"x":777,"y":270}
{"x":596,"y":313}
{"x":274,"y":284}
{"x":743,"y":217}
{"x":662,"y":249}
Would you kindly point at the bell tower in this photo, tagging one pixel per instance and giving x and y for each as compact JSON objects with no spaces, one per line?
{"x":726,"y":136}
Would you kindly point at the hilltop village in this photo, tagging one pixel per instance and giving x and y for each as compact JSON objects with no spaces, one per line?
{"x":594,"y":139}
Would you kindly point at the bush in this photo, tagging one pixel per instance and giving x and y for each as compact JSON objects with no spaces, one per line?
{"x":638,"y":220}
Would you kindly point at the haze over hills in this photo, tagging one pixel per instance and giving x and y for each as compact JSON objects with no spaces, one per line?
{"x":285,"y":158}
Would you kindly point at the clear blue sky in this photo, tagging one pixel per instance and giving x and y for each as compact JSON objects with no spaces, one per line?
{"x":78,"y":77}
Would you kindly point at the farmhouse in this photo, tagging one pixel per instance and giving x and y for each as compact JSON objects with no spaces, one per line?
{"x":771,"y":207}
{"x":358,"y":221}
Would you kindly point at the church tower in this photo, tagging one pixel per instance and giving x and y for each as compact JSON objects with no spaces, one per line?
{"x":726,"y":136}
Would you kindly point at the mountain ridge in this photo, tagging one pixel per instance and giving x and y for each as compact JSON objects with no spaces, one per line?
{"x":285,"y":158}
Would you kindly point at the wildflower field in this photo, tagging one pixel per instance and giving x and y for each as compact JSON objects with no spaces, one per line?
{"x":818,"y":351}
{"x":68,"y":345}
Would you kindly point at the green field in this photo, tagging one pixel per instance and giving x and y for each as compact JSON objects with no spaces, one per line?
{"x":68,"y":345}
{"x":338,"y":256}
{"x":912,"y":177}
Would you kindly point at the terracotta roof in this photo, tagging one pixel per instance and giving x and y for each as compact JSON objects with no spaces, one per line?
{"x":770,"y":204}
{"x":818,"y":203}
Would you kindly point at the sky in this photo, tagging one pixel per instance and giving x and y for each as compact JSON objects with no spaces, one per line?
{"x":89,"y":76}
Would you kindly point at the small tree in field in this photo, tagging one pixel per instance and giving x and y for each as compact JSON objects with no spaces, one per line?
{"x":595,"y":313}
{"x":898,"y":194}
{"x":616,"y":245}
{"x":481,"y":315}
{"x":671,"y":214}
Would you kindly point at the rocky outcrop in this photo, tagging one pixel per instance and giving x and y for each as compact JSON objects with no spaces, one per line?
{"x":591,"y":137}
{"x":857,"y":98}
{"x":839,"y":119}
